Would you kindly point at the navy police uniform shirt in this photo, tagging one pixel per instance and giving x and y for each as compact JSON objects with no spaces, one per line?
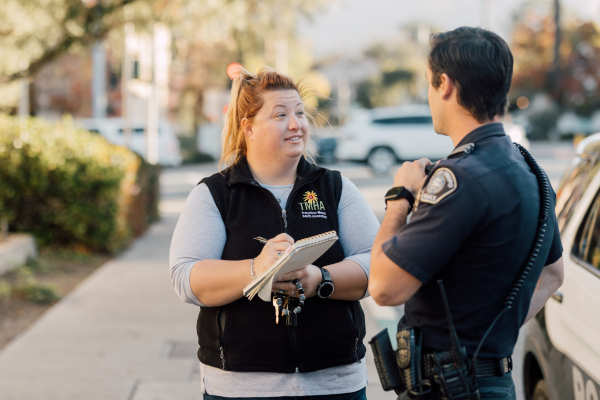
{"x":473,"y":227}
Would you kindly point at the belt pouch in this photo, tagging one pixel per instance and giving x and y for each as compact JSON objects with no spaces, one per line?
{"x":385,"y":361}
{"x":409,"y":361}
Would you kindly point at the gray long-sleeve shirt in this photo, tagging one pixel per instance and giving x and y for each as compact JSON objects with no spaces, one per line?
{"x":200,"y":235}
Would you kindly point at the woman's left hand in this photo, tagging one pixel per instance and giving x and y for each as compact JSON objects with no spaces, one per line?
{"x":310,"y":277}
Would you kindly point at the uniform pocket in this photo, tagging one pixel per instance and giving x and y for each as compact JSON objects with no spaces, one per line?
{"x":498,"y":392}
{"x":497,"y":387}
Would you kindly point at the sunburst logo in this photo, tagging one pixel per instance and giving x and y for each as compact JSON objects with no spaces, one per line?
{"x":310,"y":197}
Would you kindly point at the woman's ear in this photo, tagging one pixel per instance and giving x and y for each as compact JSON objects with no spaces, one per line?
{"x":247,"y":129}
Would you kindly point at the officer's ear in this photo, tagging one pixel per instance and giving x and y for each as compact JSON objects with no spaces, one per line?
{"x":446,"y":87}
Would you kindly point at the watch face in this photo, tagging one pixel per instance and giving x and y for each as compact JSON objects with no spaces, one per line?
{"x":325,"y":290}
{"x":393,"y":192}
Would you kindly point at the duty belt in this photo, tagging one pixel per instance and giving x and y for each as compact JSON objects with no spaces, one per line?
{"x":486,"y":367}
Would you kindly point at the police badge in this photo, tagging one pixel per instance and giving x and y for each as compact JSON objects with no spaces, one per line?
{"x":442,"y":183}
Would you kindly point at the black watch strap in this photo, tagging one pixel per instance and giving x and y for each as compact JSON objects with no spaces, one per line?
{"x":326,"y":287}
{"x":400,"y":192}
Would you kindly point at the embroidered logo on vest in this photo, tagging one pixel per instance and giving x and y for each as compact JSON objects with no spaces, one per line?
{"x":312,"y":207}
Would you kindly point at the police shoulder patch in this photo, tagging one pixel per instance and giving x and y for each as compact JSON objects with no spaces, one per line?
{"x":442,"y":183}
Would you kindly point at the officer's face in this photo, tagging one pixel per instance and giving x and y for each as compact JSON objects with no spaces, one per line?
{"x":433,"y":97}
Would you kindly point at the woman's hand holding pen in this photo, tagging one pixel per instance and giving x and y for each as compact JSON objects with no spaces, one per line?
{"x":271,"y":251}
{"x":310,"y":277}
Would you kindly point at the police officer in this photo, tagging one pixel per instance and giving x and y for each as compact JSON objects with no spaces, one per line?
{"x":474,"y":217}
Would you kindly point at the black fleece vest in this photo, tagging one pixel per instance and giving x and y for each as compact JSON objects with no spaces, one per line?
{"x":243,"y":335}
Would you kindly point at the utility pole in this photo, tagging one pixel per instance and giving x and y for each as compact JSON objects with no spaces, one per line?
{"x":486,"y":15}
{"x":23,"y":107}
{"x":153,"y":109}
{"x":99,"y":100}
{"x":126,"y":75}
{"x":557,"y":38}
{"x":159,"y":94}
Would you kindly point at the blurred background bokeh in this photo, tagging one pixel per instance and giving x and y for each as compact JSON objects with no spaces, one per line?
{"x":165,"y":60}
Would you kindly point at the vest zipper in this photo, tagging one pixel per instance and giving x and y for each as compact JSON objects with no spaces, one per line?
{"x":294,"y":333}
{"x":284,"y":210}
{"x":351,"y":313}
{"x":295,"y":342}
{"x":222,"y":356}
{"x":221,"y":336}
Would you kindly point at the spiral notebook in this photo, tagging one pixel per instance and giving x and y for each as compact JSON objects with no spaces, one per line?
{"x":302,"y":253}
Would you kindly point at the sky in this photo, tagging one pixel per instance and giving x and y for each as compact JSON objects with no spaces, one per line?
{"x":346,"y":27}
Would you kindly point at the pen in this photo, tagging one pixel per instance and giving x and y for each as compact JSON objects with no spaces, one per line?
{"x":261,"y":239}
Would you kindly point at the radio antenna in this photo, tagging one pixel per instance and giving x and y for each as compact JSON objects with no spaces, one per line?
{"x":453,"y":335}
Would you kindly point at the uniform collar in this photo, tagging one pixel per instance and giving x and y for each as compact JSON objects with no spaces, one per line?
{"x":240,"y":172}
{"x":483,"y":132}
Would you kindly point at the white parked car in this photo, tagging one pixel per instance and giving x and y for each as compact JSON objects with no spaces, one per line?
{"x":383,"y":136}
{"x":112,"y":129}
{"x":562,"y":345}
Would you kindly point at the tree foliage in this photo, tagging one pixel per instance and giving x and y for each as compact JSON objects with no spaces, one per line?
{"x":36,"y":32}
{"x":206,"y":34}
{"x":578,"y":76}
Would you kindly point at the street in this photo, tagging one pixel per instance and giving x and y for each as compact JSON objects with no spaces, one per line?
{"x":124,"y":334}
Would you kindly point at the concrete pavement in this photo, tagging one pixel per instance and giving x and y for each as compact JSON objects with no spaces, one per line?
{"x":123,"y":333}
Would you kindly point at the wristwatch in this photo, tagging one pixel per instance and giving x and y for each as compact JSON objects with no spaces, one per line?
{"x":400,"y":192}
{"x":325,"y":288}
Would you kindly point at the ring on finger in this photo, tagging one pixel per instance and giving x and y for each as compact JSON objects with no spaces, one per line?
{"x":293,"y":292}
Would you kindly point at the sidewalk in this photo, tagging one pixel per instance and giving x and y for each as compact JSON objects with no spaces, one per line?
{"x":123,"y":333}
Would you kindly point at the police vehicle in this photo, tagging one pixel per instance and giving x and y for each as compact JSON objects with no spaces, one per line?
{"x":562,"y":346}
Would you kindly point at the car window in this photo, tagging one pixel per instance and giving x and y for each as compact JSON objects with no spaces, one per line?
{"x":404,"y":120}
{"x":571,"y":189}
{"x":587,"y":241}
{"x":137,"y":131}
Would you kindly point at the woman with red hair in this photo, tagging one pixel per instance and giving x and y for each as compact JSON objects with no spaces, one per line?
{"x":273,"y":190}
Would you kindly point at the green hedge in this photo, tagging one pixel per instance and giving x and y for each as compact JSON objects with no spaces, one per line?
{"x":72,"y":188}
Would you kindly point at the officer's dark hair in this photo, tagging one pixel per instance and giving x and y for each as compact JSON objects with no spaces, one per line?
{"x":481,"y":66}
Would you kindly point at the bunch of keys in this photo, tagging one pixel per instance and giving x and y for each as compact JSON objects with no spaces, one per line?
{"x":281,"y":302}
{"x":277,"y":303}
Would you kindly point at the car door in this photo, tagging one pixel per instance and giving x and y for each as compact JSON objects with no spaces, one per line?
{"x":413,"y":137}
{"x":573,"y":314}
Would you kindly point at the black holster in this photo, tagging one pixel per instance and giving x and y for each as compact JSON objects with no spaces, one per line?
{"x":409,"y":360}
{"x":385,"y":361}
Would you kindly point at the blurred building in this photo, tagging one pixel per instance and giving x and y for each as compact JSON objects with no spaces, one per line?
{"x":94,"y":82}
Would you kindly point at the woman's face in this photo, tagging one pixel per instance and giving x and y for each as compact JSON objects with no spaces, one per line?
{"x":280,"y":128}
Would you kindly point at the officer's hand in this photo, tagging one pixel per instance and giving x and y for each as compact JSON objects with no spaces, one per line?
{"x":411,"y":175}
